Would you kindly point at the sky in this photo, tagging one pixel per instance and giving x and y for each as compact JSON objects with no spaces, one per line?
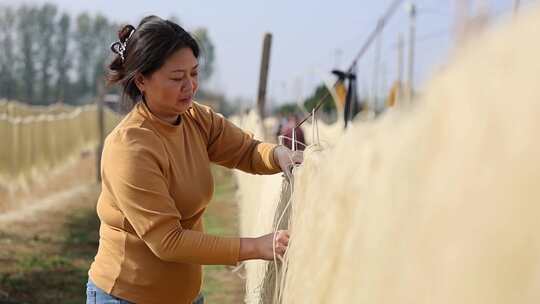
{"x":310,"y":37}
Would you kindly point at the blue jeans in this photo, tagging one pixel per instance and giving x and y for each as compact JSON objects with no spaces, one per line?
{"x":94,"y":295}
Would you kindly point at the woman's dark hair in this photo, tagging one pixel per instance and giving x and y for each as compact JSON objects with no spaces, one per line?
{"x":148,"y":47}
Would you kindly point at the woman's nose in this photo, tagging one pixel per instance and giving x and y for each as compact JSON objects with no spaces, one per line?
{"x":187,"y":86}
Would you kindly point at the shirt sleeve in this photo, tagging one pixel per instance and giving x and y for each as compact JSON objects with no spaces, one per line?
{"x":134,"y":166}
{"x":232,"y":147}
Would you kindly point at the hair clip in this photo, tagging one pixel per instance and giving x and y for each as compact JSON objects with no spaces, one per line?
{"x":119,"y":48}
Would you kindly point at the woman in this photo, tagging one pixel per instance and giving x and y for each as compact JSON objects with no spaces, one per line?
{"x":157,"y":180}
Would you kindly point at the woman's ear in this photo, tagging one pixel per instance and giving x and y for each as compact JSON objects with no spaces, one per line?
{"x":140,"y":82}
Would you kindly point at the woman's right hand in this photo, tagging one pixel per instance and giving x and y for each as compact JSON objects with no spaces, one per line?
{"x":263,"y":247}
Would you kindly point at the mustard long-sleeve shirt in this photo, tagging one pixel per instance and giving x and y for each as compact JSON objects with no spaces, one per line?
{"x":156,"y":186}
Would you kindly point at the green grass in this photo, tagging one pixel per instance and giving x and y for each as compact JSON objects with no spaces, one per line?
{"x":215,"y":221}
{"x":53,"y":271}
{"x":220,"y":284}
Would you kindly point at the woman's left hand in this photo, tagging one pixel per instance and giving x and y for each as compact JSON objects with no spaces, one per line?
{"x":286,"y":158}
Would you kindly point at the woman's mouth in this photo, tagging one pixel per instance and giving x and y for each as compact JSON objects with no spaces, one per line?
{"x":185,"y":99}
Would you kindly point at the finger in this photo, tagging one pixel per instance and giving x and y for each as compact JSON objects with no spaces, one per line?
{"x":276,"y":251}
{"x":282,"y":244}
{"x":282,"y":238}
{"x":280,"y":250}
{"x":282,"y":233}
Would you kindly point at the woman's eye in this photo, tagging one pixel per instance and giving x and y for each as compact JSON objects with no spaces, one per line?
{"x":176,"y":79}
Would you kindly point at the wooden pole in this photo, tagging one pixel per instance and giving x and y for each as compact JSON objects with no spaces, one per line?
{"x":376,"y":69}
{"x":516,"y":6}
{"x":101,"y":127}
{"x":412,"y":37}
{"x":263,"y":77}
{"x":400,"y":59}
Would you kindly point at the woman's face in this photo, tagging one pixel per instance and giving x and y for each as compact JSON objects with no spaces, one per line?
{"x":169,"y":90}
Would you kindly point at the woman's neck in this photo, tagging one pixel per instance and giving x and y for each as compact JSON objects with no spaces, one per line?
{"x":171,"y":119}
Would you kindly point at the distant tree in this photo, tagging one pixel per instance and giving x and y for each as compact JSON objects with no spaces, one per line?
{"x":62,"y":60}
{"x":84,"y":46}
{"x":286,"y":109}
{"x":27,"y":33}
{"x":48,"y":56}
{"x":8,"y":82}
{"x":104,"y":34}
{"x":320,"y":92}
{"x":208,"y":54}
{"x":46,"y":19}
